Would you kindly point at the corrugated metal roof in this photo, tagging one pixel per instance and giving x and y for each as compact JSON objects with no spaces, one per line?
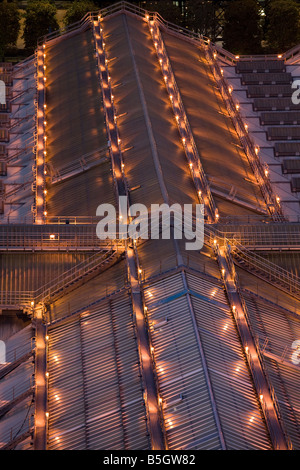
{"x":180,"y":371}
{"x":95,"y":392}
{"x":276,"y":330}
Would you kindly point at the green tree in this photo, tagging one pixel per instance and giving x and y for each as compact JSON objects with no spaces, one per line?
{"x":39,"y":20}
{"x":283,"y":18}
{"x":9,"y":25}
{"x":77,"y":10}
{"x":242,"y":29}
{"x":169,"y":10}
{"x":200,"y":16}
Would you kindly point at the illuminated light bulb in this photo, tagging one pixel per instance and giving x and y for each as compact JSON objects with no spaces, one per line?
{"x":123,"y":166}
{"x":233,"y":308}
{"x":177,"y":117}
{"x":44,"y":46}
{"x":215,"y":55}
{"x":278,"y":199}
{"x":237,"y":106}
{"x":45,"y":191}
{"x":44,"y":67}
{"x":199,"y":193}
{"x":56,"y":397}
{"x":47,"y":414}
{"x":160,"y":400}
{"x":44,"y":56}
{"x":152,"y":349}
{"x":225,"y":327}
{"x":155,"y":44}
{"x":279,"y":56}
{"x":47,"y":337}
{"x":151,"y":29}
{"x":191,"y":165}
{"x":246,"y":127}
{"x":266,"y":172}
{"x":45,"y":137}
{"x":217,"y":215}
{"x":45,"y":106}
{"x":55,"y":358}
{"x":215,"y":241}
{"x":45,"y":172}
{"x":222,"y":71}
{"x":45,"y":123}
{"x":161,"y":370}
{"x":147,"y":17}
{"x":45,"y":152}
{"x":45,"y":213}
{"x":171,"y":97}
{"x":120,"y":218}
{"x":183,"y":140}
{"x":261,"y":397}
{"x":140,"y":271}
{"x":47,"y":374}
{"x":246,"y":349}
{"x":57,"y":438}
{"x":230,"y":89}
{"x":119,"y":141}
{"x":52,"y":236}
{"x":165,"y":78}
{"x":32,"y":303}
{"x":160,"y":61}
{"x":237,"y":369}
{"x":251,"y":419}
{"x":45,"y":79}
{"x":146,"y":309}
{"x":256,"y":150}
{"x":237,"y":56}
{"x":223,"y":272}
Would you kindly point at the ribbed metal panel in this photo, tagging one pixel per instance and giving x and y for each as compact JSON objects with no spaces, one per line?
{"x":14,"y":386}
{"x":291,"y":166}
{"x":240,"y":417}
{"x":266,"y":78}
{"x":188,"y":414}
{"x":276,"y":330}
{"x":225,"y":164}
{"x":286,"y":132}
{"x":292,"y":117}
{"x":21,"y":421}
{"x":269,"y":90}
{"x":273,"y":104}
{"x":19,"y":344}
{"x":95,"y":392}
{"x":287,"y":148}
{"x":74,"y":109}
{"x":260,"y":66}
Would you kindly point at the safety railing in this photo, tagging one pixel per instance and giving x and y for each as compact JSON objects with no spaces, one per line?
{"x":82,"y":164}
{"x":28,"y":299}
{"x":267,"y":270}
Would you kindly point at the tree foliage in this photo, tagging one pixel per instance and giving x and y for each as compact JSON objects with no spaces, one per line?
{"x":9,"y":25}
{"x":77,"y":10}
{"x":283,"y":25}
{"x":39,"y":20}
{"x":242,"y":29}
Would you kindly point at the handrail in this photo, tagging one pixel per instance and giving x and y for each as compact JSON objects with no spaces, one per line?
{"x":48,"y":290}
